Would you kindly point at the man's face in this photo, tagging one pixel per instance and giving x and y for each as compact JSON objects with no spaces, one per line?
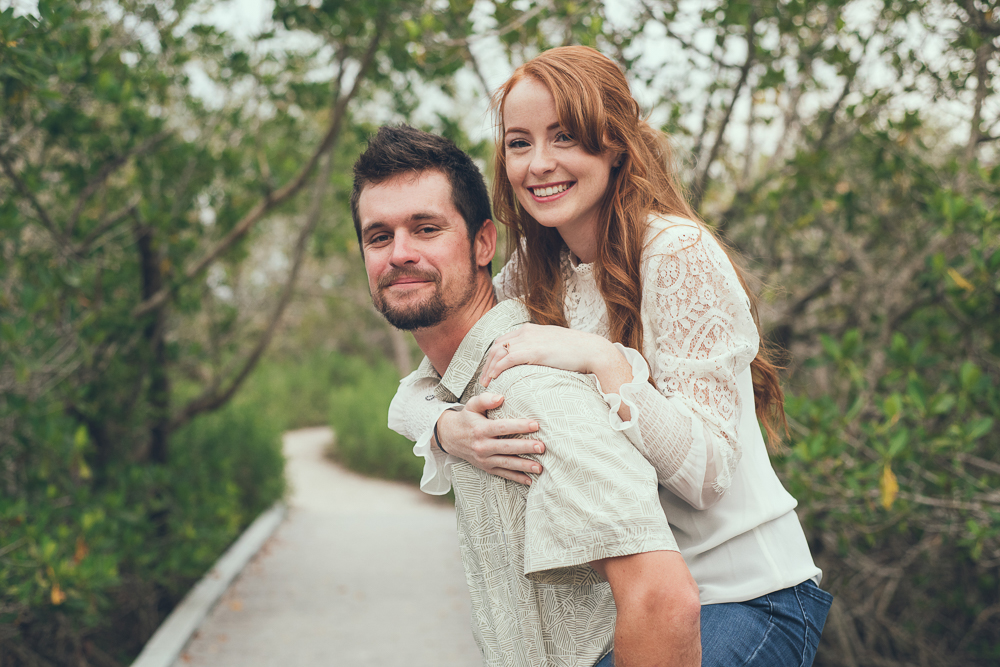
{"x":417,"y":253}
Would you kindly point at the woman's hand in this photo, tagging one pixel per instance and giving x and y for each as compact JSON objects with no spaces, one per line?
{"x":470,"y":435}
{"x":558,"y":347}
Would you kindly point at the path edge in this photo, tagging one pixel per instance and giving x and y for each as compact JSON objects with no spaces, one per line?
{"x":166,"y":644}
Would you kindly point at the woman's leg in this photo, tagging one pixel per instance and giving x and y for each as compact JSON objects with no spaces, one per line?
{"x":781,"y":629}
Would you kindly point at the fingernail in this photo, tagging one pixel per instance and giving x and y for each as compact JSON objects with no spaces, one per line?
{"x":538,"y":449}
{"x":529,"y":481}
{"x":533,"y":426}
{"x":536,"y":469}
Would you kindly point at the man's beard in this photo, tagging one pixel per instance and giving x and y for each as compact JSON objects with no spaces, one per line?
{"x":416,"y":316}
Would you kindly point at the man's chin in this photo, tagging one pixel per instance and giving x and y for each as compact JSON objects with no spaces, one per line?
{"x":409,"y":320}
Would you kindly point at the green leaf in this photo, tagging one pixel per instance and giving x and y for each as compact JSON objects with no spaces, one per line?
{"x":979,"y":428}
{"x":81,"y":437}
{"x":969,"y":375}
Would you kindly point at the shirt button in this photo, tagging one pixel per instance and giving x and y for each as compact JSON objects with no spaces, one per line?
{"x":429,"y":397}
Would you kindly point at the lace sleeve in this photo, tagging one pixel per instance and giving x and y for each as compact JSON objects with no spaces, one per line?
{"x":703,"y":338}
{"x":412,"y":413}
{"x":505,"y":282}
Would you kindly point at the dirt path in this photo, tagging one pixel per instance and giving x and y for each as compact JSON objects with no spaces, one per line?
{"x":363,"y":573}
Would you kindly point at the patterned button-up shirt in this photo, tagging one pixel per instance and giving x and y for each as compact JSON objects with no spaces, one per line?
{"x":526,"y":549}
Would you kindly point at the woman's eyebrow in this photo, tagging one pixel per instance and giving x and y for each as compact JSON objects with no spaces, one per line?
{"x":518,"y":130}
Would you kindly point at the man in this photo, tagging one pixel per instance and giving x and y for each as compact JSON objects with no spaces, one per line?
{"x":548,"y":563}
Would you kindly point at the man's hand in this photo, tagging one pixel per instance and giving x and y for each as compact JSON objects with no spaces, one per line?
{"x":659,"y":614}
{"x":470,"y":435}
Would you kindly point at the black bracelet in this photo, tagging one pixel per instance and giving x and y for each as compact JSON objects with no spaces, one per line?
{"x":437,"y":439}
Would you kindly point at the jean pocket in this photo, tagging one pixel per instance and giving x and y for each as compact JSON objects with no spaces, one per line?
{"x":810,"y":589}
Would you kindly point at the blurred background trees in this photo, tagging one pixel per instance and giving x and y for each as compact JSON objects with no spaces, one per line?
{"x":173,"y":211}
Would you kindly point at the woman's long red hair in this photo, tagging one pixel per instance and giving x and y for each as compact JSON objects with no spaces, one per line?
{"x":595,"y":106}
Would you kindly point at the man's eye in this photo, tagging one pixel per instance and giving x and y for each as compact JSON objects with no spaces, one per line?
{"x":427,"y":230}
{"x":378,"y":239}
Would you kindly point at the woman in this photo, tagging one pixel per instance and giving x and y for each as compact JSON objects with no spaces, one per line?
{"x":625,"y":283}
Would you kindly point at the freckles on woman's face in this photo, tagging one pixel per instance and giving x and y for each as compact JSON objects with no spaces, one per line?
{"x":557,"y":182}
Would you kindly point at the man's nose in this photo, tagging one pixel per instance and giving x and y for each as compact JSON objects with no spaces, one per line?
{"x":404,"y":250}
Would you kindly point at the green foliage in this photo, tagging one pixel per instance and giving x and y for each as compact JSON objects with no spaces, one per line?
{"x":359,"y":412}
{"x":131,"y":209}
{"x":89,"y":560}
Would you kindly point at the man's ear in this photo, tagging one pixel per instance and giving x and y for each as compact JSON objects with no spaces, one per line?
{"x":486,"y":244}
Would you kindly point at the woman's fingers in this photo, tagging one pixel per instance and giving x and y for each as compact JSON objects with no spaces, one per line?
{"x":497,"y":359}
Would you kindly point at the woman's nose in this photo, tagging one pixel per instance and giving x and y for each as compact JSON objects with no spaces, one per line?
{"x":542,"y":161}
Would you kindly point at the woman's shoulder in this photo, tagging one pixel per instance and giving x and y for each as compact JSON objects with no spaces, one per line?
{"x":670,"y":234}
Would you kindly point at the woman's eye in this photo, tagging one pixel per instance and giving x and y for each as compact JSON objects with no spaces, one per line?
{"x":517,"y":143}
{"x":562,"y":136}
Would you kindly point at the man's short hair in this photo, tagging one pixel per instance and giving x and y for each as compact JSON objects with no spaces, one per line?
{"x":401,"y":149}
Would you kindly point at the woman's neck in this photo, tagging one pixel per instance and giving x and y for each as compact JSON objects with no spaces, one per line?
{"x":582,"y":244}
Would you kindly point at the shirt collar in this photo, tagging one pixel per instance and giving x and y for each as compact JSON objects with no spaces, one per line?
{"x":464,"y":366}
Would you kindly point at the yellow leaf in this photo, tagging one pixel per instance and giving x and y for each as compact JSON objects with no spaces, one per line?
{"x":81,"y":550}
{"x":889,"y":486}
{"x":58,"y":597}
{"x":960,"y":281}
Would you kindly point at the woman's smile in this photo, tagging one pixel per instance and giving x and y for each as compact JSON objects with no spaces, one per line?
{"x":549,"y":192}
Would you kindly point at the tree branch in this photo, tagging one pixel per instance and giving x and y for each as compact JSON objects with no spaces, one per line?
{"x":107,"y":224}
{"x":213,"y":398}
{"x":106,"y":171}
{"x":698,"y":192}
{"x":337,"y":114}
{"x":26,"y":192}
{"x":832,"y":113}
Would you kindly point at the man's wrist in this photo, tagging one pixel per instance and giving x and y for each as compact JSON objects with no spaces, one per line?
{"x":436,"y":436}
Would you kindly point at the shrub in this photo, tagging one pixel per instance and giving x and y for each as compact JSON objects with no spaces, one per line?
{"x":91,"y":568}
{"x":897,"y":488}
{"x":359,"y":411}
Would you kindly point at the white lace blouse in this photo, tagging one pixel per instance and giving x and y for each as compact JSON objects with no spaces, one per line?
{"x":733,"y":520}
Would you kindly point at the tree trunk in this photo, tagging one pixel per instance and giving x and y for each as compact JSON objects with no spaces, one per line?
{"x":158,"y":392}
{"x":401,"y":351}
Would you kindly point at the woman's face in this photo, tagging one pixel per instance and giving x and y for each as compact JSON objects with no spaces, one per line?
{"x":557,"y":182}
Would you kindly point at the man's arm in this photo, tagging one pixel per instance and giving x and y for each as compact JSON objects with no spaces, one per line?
{"x":596,"y":502}
{"x":659,"y":613}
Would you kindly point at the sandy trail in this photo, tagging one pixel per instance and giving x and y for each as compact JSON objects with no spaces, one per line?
{"x":363,"y":572}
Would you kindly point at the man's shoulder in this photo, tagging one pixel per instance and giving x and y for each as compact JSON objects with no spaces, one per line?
{"x":530,"y":377}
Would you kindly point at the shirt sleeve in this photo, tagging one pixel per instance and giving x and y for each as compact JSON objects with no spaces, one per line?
{"x":704,"y":337}
{"x":413,"y":412}
{"x":597,"y":496}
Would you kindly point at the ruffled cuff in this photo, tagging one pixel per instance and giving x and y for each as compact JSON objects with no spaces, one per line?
{"x":627,"y":394}
{"x":436,"y":479}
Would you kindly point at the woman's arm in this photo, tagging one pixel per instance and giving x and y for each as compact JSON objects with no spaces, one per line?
{"x":702,"y":337}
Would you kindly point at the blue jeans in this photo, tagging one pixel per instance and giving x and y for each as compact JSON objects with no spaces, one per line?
{"x":780,"y":629}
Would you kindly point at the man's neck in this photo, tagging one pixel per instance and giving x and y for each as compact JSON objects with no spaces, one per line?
{"x":441,"y":341}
